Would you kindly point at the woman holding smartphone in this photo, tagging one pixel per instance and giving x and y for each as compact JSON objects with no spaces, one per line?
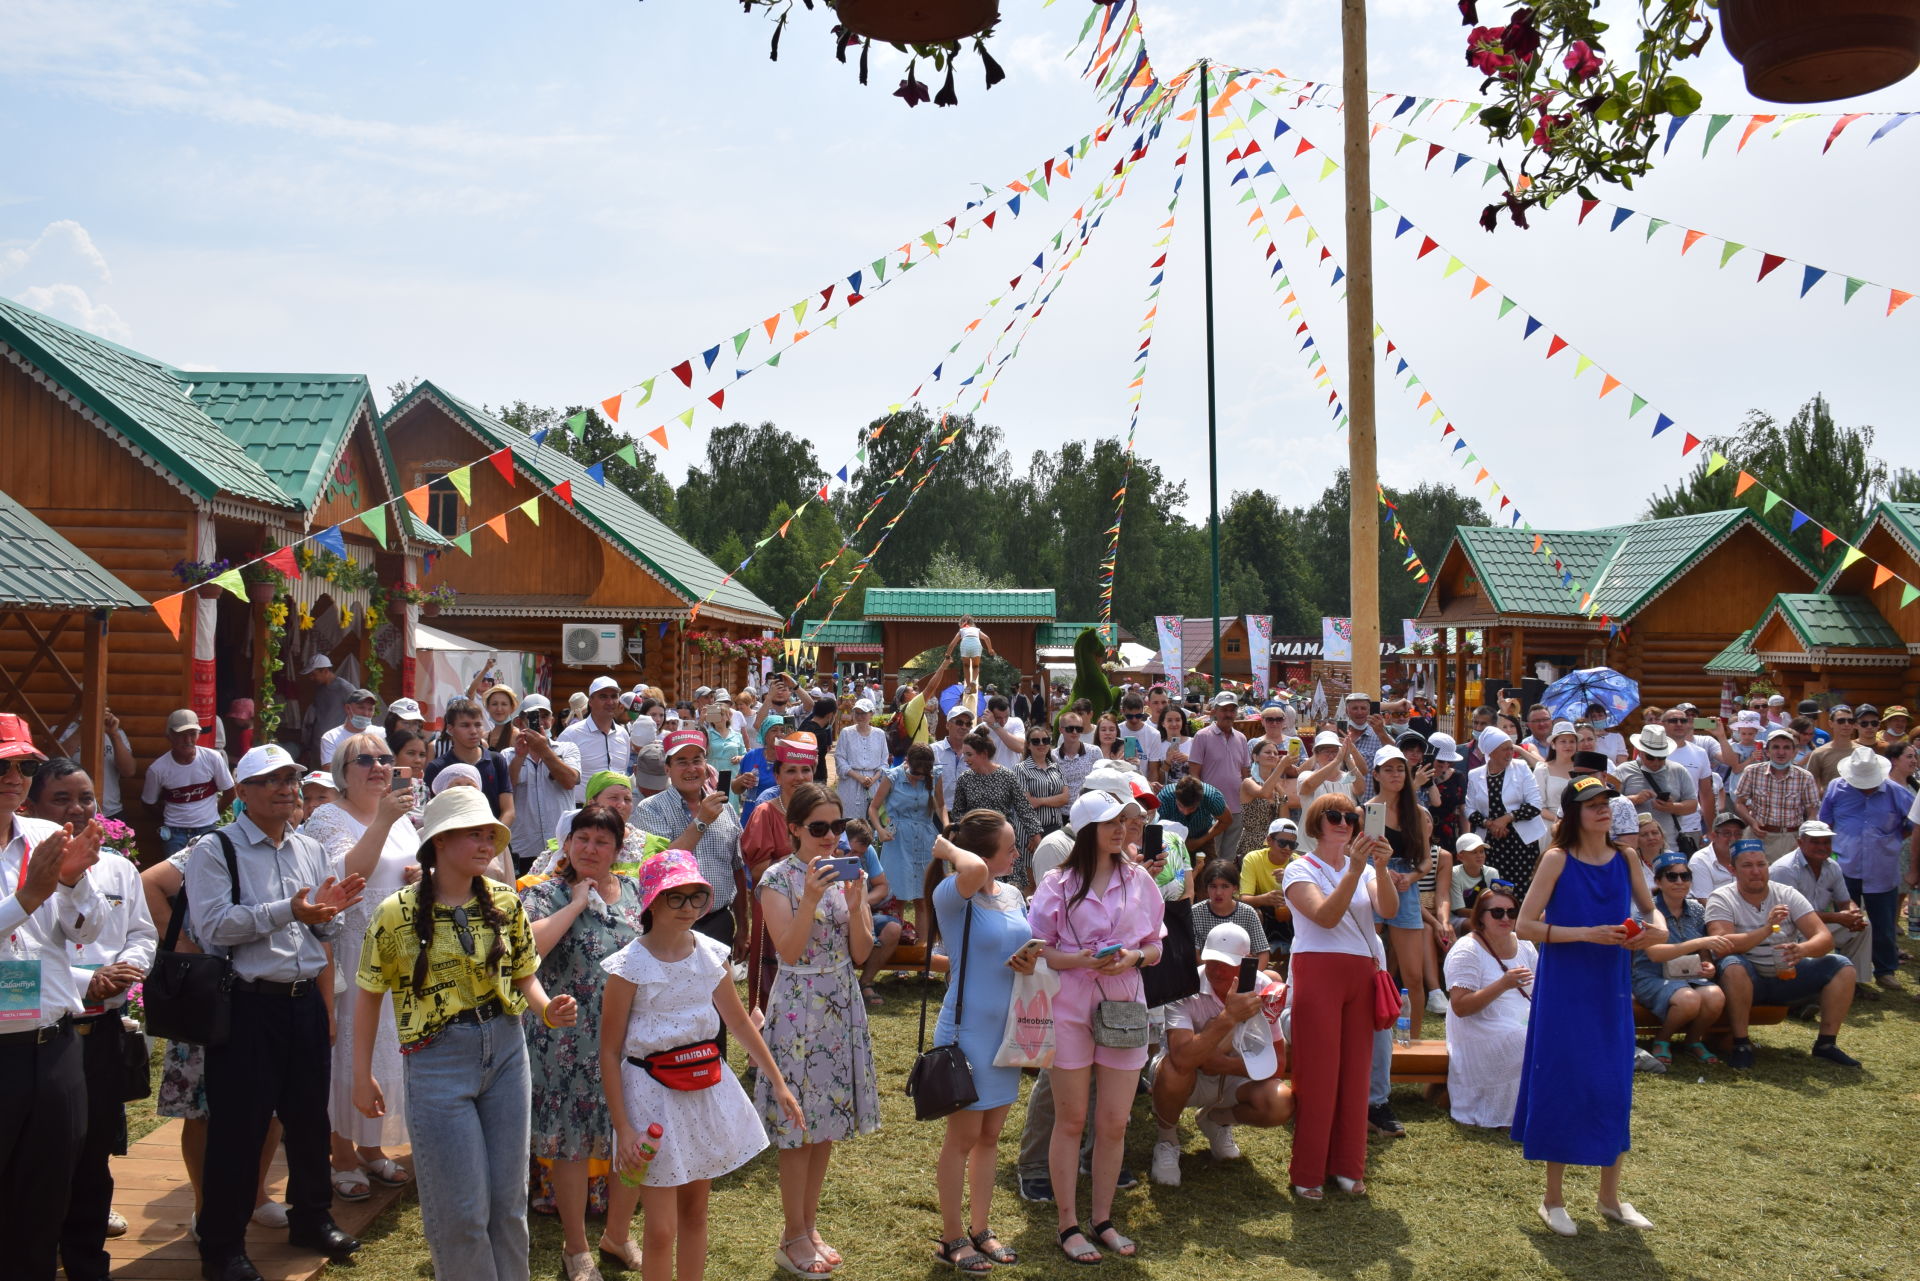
{"x":984,"y":921}
{"x":1408,"y":832}
{"x":820,"y":927}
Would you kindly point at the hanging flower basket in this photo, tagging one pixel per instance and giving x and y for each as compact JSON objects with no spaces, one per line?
{"x":262,"y":592}
{"x":429,"y":609}
{"x":1793,"y":51}
{"x":209,"y":591}
{"x":912,"y":22}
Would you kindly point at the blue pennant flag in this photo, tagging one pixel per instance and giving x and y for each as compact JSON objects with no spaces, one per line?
{"x":1460,"y":158}
{"x":936,"y":370}
{"x":853,"y":282}
{"x":842,"y":473}
{"x":1459,"y":445}
{"x":1532,"y":325}
{"x":1811,"y":279}
{"x":1620,"y":215}
{"x":598,"y":473}
{"x":1402,"y":229}
{"x":1265,"y":168}
{"x":1664,"y":423}
{"x":1039,"y":259}
{"x":738,"y":373}
{"x":1280,"y":127}
{"x":1013,"y":206}
{"x":1799,"y":519}
{"x":710,"y":355}
{"x":1338,"y":272}
{"x":663,"y":629}
{"x":1402,"y":367}
{"x":1673,"y":127}
{"x":540,"y":437}
{"x":331,"y":539}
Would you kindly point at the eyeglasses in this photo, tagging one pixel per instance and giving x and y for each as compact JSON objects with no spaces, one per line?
{"x":1348,"y":817}
{"x":820,"y":827}
{"x":1504,"y":913}
{"x":367,"y":760}
{"x":462,"y":930}
{"x":676,"y":900}
{"x":27,"y":765}
{"x":1039,"y":742}
{"x":1676,"y":875}
{"x":1136,"y":716}
{"x":960,"y":720}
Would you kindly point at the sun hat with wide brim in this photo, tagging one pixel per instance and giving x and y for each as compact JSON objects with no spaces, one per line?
{"x":457,"y":810}
{"x":1865,"y":769}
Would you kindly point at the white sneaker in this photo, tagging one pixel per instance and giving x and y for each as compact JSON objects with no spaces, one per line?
{"x":1219,"y":1137}
{"x":739,"y":972}
{"x":1437,"y":1002}
{"x":1626,"y":1215}
{"x":116,"y":1224}
{"x":1165,"y":1169}
{"x":270,"y":1214}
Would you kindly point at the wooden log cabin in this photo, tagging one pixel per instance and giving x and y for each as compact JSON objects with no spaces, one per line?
{"x":1682,"y":590}
{"x":596,"y":558}
{"x":916,"y":619}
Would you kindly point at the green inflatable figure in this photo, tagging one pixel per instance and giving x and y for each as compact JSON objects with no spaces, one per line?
{"x":1090,"y":677}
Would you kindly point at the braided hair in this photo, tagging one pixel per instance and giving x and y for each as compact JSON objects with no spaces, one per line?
{"x":423,"y":917}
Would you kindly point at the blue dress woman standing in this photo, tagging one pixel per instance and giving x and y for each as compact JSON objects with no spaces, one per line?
{"x":911,"y":797}
{"x":1576,"y":1080}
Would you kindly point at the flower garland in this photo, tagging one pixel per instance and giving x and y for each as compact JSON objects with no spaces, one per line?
{"x":728,"y":647}
{"x":269,"y":706}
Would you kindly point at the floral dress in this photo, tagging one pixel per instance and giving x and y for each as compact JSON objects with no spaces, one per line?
{"x":570,"y":1121}
{"x":816,"y":1027}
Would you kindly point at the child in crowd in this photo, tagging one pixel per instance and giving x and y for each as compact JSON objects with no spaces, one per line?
{"x":1470,"y":872}
{"x":972,"y":641}
{"x":887,"y":929}
{"x":680,"y":1117}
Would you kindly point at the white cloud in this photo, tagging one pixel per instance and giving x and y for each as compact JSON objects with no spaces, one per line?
{"x":72,"y":304}
{"x":64,"y":235}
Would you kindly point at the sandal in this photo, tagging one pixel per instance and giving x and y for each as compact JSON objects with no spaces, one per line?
{"x":1316,"y":1194}
{"x":626,"y":1254}
{"x":972,"y":1261}
{"x":825,"y":1251}
{"x":387,"y":1172}
{"x":1088,"y":1256}
{"x":984,"y":1238}
{"x":351,"y":1185}
{"x":1112,"y":1238}
{"x":871,"y":997}
{"x":816,"y":1266}
{"x":1352,"y":1187}
{"x":1662,"y":1051}
{"x":1707,"y":1057}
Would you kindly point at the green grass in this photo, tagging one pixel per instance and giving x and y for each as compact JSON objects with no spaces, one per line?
{"x":1794,"y":1170}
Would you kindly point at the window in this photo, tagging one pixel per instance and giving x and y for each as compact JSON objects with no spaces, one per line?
{"x":443,"y":506}
{"x":1233,"y":645}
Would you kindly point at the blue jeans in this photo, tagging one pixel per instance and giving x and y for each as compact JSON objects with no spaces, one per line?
{"x":178,"y":838}
{"x":469,"y":1108}
{"x":1883,"y":917}
{"x":1380,"y":1080}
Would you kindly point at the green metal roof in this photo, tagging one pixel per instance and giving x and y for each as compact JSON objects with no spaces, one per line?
{"x":927,"y":602}
{"x":293,"y":425}
{"x":1737,"y":659}
{"x":1902,"y":521}
{"x":143,"y":399}
{"x":840,"y":631}
{"x":606,"y":508}
{"x":1059,"y":635}
{"x":1624,"y":566}
{"x":41,"y":570}
{"x":1833,"y":622}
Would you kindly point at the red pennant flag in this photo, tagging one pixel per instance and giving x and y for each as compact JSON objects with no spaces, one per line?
{"x":1427,"y":245}
{"x":1233,"y":155}
{"x":1389,"y":347}
{"x":1767,"y":263}
{"x":823,"y":493}
{"x":611,"y":408}
{"x":826,"y":295}
{"x":718,"y":398}
{"x":1253,"y":148}
{"x":1554,"y":347}
{"x":502,"y":460}
{"x":1692,"y":443}
{"x":1587,"y":207}
{"x":283,"y":561}
{"x":684,"y":372}
{"x":1504,"y":500}
{"x":658,"y":436}
{"x":988,"y":220}
{"x":1826,"y":538}
{"x":168,"y":607}
{"x":1161,"y":261}
{"x":1433,"y":149}
{"x":1448,"y":431}
{"x":564,"y":491}
{"x":1303,"y":148}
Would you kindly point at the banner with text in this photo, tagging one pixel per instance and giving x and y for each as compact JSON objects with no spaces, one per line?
{"x":1172,"y":661}
{"x":1259,"y":641}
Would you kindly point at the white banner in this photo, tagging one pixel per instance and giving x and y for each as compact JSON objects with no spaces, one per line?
{"x":1336,"y":640}
{"x":1259,"y":642}
{"x":1412,"y":635}
{"x":1172,"y":661}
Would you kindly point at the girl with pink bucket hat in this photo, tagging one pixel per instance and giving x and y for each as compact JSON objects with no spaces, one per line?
{"x":680,"y":1116}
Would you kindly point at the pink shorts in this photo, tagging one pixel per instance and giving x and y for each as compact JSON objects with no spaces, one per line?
{"x":1073,"y":1047}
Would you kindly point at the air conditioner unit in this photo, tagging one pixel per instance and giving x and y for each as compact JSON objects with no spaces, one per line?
{"x":590,"y":645}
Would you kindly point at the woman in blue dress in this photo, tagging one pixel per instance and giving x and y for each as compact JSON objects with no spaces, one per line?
{"x":915,"y":812}
{"x":1576,"y":1081}
{"x":984,"y":921}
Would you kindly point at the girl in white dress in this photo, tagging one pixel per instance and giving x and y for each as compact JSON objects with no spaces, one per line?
{"x":1490,"y":990}
{"x":680,"y":1118}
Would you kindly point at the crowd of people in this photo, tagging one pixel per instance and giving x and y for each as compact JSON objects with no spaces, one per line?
{"x":516,"y":948}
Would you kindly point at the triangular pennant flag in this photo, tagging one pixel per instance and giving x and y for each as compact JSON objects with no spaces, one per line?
{"x":531,"y":508}
{"x":499,"y":526}
{"x":1661,"y":424}
{"x":1532,"y":325}
{"x":462,"y":480}
{"x":626,"y":455}
{"x":1692,"y":443}
{"x":331,"y":539}
{"x":1716,"y":462}
{"x":464,"y":541}
{"x":1896,"y":299}
{"x":1827,"y":538}
{"x":375,"y":519}
{"x":684,"y":372}
{"x":685,"y":417}
{"x":282,"y":561}
{"x":719,"y":398}
{"x":1853,"y":287}
{"x":1607,"y":384}
{"x":658,"y":436}
{"x":1810,"y":279}
{"x":502,"y":460}
{"x":1686,"y":241}
{"x":597,"y":473}
{"x":1767,"y":264}
{"x":417,"y":499}
{"x":1506,"y":305}
{"x":1799,"y":518}
{"x":1554,"y":347}
{"x":1743,"y":484}
{"x":1853,"y":554}
{"x":168,"y":607}
{"x":1771,"y":502}
{"x":1907,"y":594}
{"x":1728,"y":248}
{"x":611,"y":408}
{"x":563,"y":491}
{"x":232,"y":581}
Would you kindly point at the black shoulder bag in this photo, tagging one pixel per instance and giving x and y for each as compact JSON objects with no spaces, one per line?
{"x":1176,"y":975}
{"x":941,"y":1082}
{"x":189,"y":995}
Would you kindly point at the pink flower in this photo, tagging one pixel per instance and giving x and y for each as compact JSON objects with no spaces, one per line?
{"x":1581,"y":61}
{"x":1484,"y":53}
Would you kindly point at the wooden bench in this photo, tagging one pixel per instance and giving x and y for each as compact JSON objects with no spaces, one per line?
{"x":1646,"y":1027}
{"x":1417,"y":1063}
{"x":909,"y":957}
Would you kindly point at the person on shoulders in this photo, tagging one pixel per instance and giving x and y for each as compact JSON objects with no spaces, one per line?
{"x":189,"y":783}
{"x":1781,"y":954}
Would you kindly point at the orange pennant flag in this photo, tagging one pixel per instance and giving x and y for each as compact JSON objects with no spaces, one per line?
{"x":1482,"y":476}
{"x":417,"y":499}
{"x":1480,"y":283}
{"x":771,"y":323}
{"x":1607,"y":384}
{"x":168,"y":607}
{"x":1896,"y":299}
{"x":1880,"y":575}
{"x":611,"y":408}
{"x":658,"y":436}
{"x":1537,"y":540}
{"x":499,"y":526}
{"x":1742,"y":485}
{"x":1691,"y":236}
{"x":1425,"y":397}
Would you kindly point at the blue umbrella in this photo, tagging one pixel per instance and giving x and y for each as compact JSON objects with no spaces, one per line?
{"x":1570,"y":696}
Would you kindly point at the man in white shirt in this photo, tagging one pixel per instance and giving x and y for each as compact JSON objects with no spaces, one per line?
{"x":1813,"y":870}
{"x":544,"y":774}
{"x":602,"y":744}
{"x":947,"y":760}
{"x":103,"y":970}
{"x":117,"y":764}
{"x":1698,"y":757}
{"x":355,"y":718}
{"x":1009,"y":733}
{"x":48,"y":908}
{"x":1713,"y":865}
{"x":1606,"y":740}
{"x":188,"y":783}
{"x":1149,"y":750}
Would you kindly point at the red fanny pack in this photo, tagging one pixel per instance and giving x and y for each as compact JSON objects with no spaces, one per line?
{"x":685,"y":1067}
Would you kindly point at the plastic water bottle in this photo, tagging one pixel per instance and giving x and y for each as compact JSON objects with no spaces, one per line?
{"x":649,"y":1149}
{"x":1403,"y":1026}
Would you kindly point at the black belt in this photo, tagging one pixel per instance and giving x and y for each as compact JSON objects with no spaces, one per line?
{"x":480,"y":1014}
{"x":275,"y":987}
{"x":36,"y":1035}
{"x":83,"y":1024}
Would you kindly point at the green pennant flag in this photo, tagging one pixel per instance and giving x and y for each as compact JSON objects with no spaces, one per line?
{"x":577,"y":422}
{"x":861,"y":453}
{"x":1715,"y":463}
{"x":1453,"y":265}
{"x":1489,"y":175}
{"x":1281,"y":194}
{"x":1471,"y":458}
{"x":1248,"y":194}
{"x":1639,"y":403}
{"x":1472,"y":107}
{"x":1401,"y":146}
{"x":1506,"y":305}
{"x":376,"y":523}
{"x":464,"y":541}
{"x":232,"y":582}
{"x":1424,"y":104}
{"x":1653,"y":225}
{"x":773,"y":361}
{"x":1378,"y":204}
{"x":626,"y":455}
{"x":646,"y":394}
{"x":1853,"y":287}
{"x":1257,"y":107}
{"x":462,"y":480}
{"x":879,"y":268}
{"x":1714,"y":125}
{"x":1907,"y":594}
{"x":1773,"y":500}
{"x":1040,"y":189}
{"x":740,"y":341}
{"x":1728,"y":250}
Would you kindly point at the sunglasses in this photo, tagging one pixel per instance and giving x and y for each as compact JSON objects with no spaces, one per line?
{"x":1504,"y":913}
{"x":1676,"y":876}
{"x":960,"y":720}
{"x":1072,"y":729}
{"x":821,"y":826}
{"x":462,"y":930}
{"x":1136,"y":716}
{"x":27,"y":765}
{"x":1869,"y":724}
{"x":1039,"y":742}
{"x":1273,"y":720}
{"x":1843,"y":720}
{"x":676,"y":900}
{"x":1283,"y":843}
{"x":367,"y":760}
{"x":1347,"y":817}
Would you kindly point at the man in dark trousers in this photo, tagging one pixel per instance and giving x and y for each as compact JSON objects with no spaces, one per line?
{"x":272,"y":925}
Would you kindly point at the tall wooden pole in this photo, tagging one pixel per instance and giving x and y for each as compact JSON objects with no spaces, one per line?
{"x":1364,"y":515}
{"x":1213,"y":449}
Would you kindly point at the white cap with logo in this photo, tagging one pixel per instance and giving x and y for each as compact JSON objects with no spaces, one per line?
{"x":266,"y":759}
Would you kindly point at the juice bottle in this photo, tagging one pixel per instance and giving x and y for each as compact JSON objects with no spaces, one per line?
{"x":649,"y":1148}
{"x":1782,"y":968}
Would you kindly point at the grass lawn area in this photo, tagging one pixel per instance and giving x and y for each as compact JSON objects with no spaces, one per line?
{"x":1797,"y":1169}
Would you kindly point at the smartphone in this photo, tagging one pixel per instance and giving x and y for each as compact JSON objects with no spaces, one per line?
{"x":847,"y":867}
{"x":1705,"y":724}
{"x":1031,"y":948}
{"x":402,"y":779}
{"x":1376,"y":812}
{"x":726,"y":780}
{"x":1152,"y":842}
{"x":1249,"y":974}
{"x":1130,"y":749}
{"x":1111,"y":949}
{"x":1373,"y":707}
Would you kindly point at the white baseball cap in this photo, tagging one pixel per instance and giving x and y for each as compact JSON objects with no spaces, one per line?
{"x":603,"y":683}
{"x":1468,"y":841}
{"x":535,"y":703}
{"x":1388,"y":752}
{"x":323,"y":777}
{"x":1326,"y":738}
{"x":1280,"y":827}
{"x":702,"y":692}
{"x":1357,"y":697}
{"x":406,"y":709}
{"x":1814,"y":827}
{"x":863,"y":705}
{"x":1094,"y":806}
{"x":1443,"y":748}
{"x":265,"y":759}
{"x":317,"y":663}
{"x":1227,"y":942}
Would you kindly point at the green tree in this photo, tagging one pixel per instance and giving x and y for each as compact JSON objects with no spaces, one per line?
{"x":1429,"y":512}
{"x":749,"y":472}
{"x":594,"y":441}
{"x":1823,"y":469}
{"x":1903,"y":486}
{"x":1261,"y":542}
{"x":960,"y":503}
{"x":950,"y":571}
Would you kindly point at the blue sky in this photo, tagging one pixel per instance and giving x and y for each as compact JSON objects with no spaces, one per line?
{"x":554,"y":201}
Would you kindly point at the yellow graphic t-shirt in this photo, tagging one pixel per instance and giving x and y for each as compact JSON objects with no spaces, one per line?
{"x":456,"y":981}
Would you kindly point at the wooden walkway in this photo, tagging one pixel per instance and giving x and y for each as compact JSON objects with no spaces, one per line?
{"x":152,"y":1192}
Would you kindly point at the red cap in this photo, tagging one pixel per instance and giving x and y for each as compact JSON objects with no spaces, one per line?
{"x":681,"y":739}
{"x":802,"y":747}
{"x":16,"y":739}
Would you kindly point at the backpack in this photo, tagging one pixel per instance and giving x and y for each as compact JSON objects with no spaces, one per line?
{"x":899,"y":737}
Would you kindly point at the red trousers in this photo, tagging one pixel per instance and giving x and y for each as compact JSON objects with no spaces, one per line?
{"x":1332,"y":1057}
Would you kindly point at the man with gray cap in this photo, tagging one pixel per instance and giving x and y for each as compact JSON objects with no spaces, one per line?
{"x":356,"y":717}
{"x":326,"y":701}
{"x":188,"y":784}
{"x":544,"y":774}
{"x":1218,"y":756}
{"x":1713,"y":866}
